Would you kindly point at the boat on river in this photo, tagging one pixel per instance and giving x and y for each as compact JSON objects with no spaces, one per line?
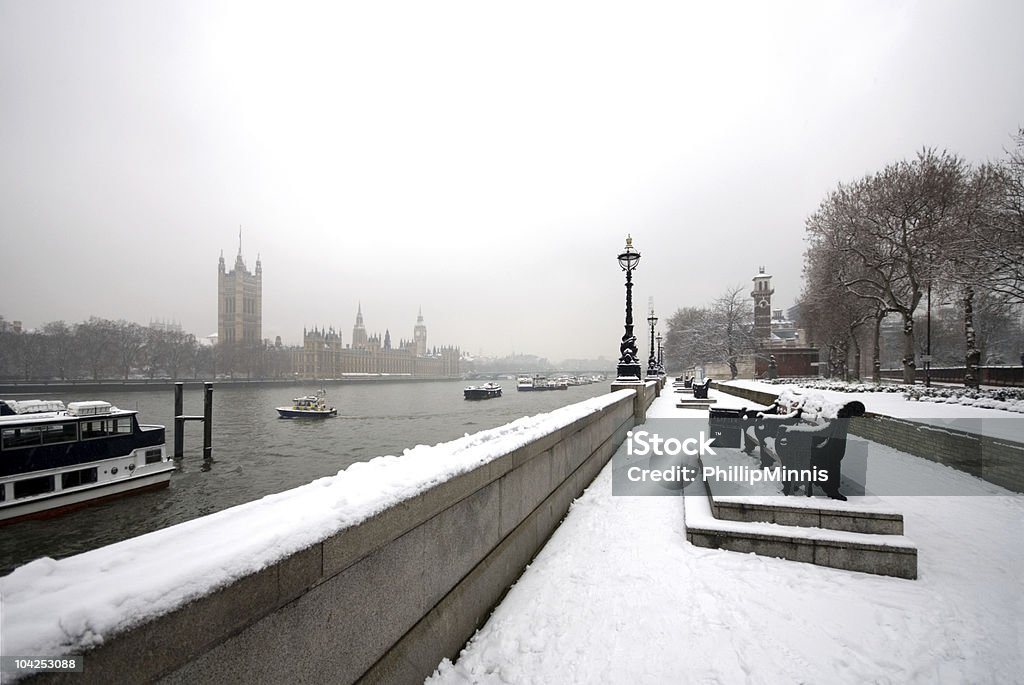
{"x":482,"y":392}
{"x":538,"y":383}
{"x":309,"y":407}
{"x":53,"y":459}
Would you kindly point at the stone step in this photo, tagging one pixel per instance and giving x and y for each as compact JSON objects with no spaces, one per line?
{"x":860,"y":514}
{"x":888,"y":555}
{"x":694,"y":404}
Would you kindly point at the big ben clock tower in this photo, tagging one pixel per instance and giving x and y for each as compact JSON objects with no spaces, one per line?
{"x":762,"y":294}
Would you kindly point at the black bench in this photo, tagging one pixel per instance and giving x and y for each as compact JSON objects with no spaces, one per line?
{"x":793,"y":438}
{"x":728,"y":425}
{"x":817,"y":445}
{"x":700,"y":390}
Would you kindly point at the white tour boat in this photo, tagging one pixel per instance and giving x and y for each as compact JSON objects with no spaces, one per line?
{"x":53,"y":458}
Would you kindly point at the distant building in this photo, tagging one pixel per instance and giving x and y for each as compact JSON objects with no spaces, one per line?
{"x":359,"y":339}
{"x":419,"y":335}
{"x":9,"y":326}
{"x":239,"y":301}
{"x":323,"y":354}
{"x":762,"y":294}
{"x":777,"y":337}
{"x":166,"y":326}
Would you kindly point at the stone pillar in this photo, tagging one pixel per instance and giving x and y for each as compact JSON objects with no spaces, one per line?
{"x":639,"y":407}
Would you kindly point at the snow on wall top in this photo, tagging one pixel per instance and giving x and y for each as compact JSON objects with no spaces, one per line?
{"x":61,"y":607}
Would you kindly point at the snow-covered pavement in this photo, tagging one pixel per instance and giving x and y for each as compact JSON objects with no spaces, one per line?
{"x":618,"y":596}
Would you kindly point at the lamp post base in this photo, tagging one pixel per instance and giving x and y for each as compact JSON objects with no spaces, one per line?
{"x":629,"y":373}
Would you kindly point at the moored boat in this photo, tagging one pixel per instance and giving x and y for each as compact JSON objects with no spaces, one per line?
{"x":482,"y":392}
{"x":538,"y":383}
{"x":308,"y":406}
{"x":53,"y":459}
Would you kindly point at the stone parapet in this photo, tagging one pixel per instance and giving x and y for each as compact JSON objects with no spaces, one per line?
{"x":382,"y":601}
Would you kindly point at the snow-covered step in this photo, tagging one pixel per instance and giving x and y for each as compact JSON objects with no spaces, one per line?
{"x":888,"y":555}
{"x":860,"y":514}
{"x":694,"y":404}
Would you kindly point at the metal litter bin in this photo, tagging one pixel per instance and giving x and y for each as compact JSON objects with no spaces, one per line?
{"x":726,"y":426}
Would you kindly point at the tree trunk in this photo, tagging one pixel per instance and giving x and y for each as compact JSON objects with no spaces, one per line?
{"x":909,"y":366}
{"x":844,"y":360}
{"x":856,"y":357}
{"x":973,"y":356}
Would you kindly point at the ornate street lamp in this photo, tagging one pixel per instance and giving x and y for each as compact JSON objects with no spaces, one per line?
{"x":629,"y":365}
{"x":652,"y":361}
{"x":661,"y":359}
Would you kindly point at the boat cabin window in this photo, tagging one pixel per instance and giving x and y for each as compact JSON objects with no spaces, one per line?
{"x":33,"y":486}
{"x":43,"y":434}
{"x":59,"y":432}
{"x":76,"y":478}
{"x":102,"y":428}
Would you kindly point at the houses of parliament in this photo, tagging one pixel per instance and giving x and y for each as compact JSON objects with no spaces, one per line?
{"x":323,"y":354}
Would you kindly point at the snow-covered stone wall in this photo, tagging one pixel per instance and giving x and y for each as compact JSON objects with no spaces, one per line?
{"x":375,"y":574}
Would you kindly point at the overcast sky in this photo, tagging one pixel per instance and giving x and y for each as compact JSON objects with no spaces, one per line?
{"x":484,"y":161}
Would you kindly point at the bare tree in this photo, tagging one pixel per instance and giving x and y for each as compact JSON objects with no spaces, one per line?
{"x":684,"y":345}
{"x":130,"y":338}
{"x":729,"y":333}
{"x":180,"y":350}
{"x":155,"y":350}
{"x":890,"y":225}
{"x":63,"y":352}
{"x":970,"y":262}
{"x":997,"y":237}
{"x":26,"y":354}
{"x":831,"y":313}
{"x":96,"y":339}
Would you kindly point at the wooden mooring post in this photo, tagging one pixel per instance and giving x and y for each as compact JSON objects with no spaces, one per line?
{"x":180,"y":419}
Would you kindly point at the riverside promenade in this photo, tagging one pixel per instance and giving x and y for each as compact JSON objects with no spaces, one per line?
{"x":375,"y":574}
{"x":618,"y":595}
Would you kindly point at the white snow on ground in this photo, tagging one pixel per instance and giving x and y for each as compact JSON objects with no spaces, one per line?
{"x":887,"y":403}
{"x":618,"y":596}
{"x":992,"y":422}
{"x":50,"y":608}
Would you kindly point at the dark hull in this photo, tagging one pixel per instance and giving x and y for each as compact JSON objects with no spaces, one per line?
{"x":481,"y":394}
{"x":77,"y":499}
{"x":300,"y":414}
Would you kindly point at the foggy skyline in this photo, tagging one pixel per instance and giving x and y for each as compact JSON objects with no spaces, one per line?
{"x":482,"y":162}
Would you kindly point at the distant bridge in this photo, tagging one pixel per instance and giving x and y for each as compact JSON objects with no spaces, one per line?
{"x":496,"y":375}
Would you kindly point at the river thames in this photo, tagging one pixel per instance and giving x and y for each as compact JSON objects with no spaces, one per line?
{"x":255,"y":453}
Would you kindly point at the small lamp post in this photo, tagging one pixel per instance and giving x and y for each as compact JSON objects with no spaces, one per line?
{"x":652,"y":361}
{"x":629,"y":366}
{"x":661,"y":359}
{"x":928,"y":348}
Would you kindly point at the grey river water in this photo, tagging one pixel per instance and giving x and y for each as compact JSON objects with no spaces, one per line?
{"x":255,"y":453}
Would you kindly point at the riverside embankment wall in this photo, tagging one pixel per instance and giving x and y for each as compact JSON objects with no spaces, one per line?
{"x":996,"y":460}
{"x":385,"y":600}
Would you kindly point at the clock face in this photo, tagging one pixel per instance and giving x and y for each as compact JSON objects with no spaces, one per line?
{"x":763,"y":303}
